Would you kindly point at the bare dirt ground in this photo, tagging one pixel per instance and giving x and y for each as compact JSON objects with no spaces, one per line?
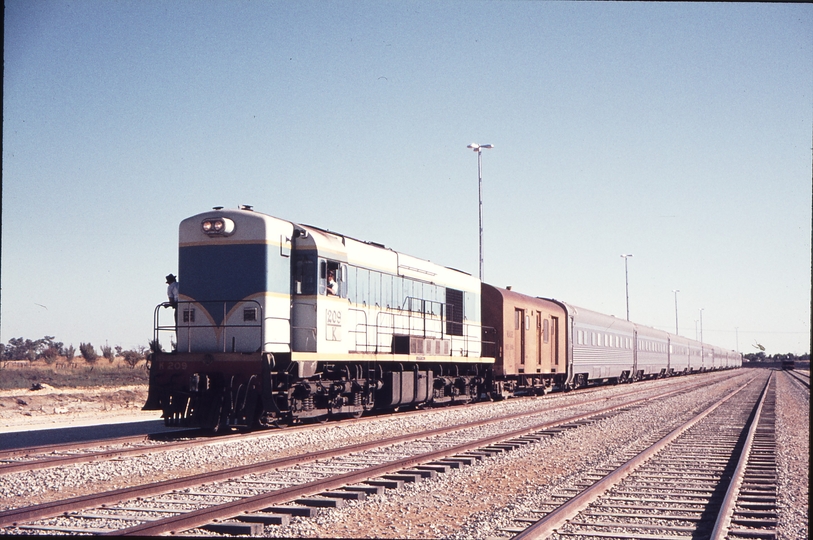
{"x":49,"y":406}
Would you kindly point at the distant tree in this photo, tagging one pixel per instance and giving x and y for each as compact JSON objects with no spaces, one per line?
{"x":50,"y":355}
{"x":22,"y":349}
{"x":50,"y":349}
{"x":118,"y":350}
{"x":107,"y":352}
{"x":68,"y":352}
{"x":88,"y":353}
{"x":132,"y":358}
{"x":755,"y":357}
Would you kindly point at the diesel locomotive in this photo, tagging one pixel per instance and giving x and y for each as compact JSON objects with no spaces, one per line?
{"x":279,"y":322}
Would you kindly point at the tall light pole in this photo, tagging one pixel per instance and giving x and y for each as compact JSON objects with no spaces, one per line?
{"x":676,"y":311}
{"x":701,"y":325}
{"x":627,"y":282}
{"x":702,"y":351}
{"x":479,"y":149}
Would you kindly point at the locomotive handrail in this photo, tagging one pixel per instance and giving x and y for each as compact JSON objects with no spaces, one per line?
{"x":189,"y":316}
{"x":467,"y":338}
{"x":356,"y":332}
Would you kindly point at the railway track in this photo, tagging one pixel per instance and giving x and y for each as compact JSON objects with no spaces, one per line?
{"x":712,"y":477}
{"x":58,"y":455}
{"x":249,"y":496}
{"x":801,"y":379}
{"x":54,"y":455}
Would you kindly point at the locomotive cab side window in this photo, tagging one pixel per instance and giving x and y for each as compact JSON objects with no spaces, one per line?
{"x":338,"y":271}
{"x":304,"y":274}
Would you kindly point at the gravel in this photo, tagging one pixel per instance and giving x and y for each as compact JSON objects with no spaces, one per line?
{"x":34,"y":487}
{"x":481,"y":500}
{"x":473,"y":502}
{"x":793,"y":456}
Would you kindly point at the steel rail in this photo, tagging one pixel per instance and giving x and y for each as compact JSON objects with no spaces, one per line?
{"x":800,"y":379}
{"x":61,"y":447}
{"x":566,"y":512}
{"x":50,"y":509}
{"x":205,"y":516}
{"x":727,"y":507}
{"x":56,"y":461}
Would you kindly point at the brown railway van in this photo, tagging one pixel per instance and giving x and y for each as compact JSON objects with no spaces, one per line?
{"x":529,"y":339}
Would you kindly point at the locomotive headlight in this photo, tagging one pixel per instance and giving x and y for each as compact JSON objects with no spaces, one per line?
{"x":218,"y":226}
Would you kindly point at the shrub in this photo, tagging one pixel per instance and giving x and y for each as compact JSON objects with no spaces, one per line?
{"x":68,"y":352}
{"x":50,"y":355}
{"x":131,"y":358}
{"x":88,"y":353}
{"x":107,"y":352}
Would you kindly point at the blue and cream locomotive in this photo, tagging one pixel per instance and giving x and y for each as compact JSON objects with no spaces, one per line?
{"x":281,"y":321}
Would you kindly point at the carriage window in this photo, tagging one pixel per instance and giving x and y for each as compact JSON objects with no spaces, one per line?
{"x":545,"y":330}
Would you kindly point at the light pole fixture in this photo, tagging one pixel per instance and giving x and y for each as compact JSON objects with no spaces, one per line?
{"x":702,"y":350}
{"x":701,"y":325}
{"x":479,"y":149}
{"x":676,"y":311}
{"x":627,"y":282}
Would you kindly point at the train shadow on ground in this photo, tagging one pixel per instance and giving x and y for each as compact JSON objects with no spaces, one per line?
{"x":76,"y":434}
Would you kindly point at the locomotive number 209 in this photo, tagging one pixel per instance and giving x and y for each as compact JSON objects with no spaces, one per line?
{"x":333,"y":318}
{"x":171,"y":365}
{"x":333,"y":328}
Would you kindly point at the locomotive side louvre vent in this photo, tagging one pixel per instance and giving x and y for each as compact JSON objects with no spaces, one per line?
{"x":405,"y":344}
{"x":454,"y":312}
{"x":189,"y":315}
{"x":249,"y":314}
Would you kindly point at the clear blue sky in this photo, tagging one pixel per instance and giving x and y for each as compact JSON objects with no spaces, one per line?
{"x":680,"y":133}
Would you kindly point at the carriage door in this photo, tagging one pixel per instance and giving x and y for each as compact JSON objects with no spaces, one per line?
{"x":544,"y":353}
{"x":554,"y":350}
{"x":634,"y":354}
{"x":541,"y":339}
{"x":519,"y":335}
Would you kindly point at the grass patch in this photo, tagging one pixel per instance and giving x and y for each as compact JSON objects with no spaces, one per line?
{"x":21,"y":375}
